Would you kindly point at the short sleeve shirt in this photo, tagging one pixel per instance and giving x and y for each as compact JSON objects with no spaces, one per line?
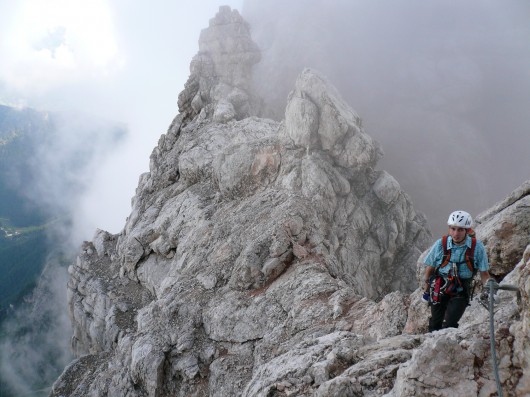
{"x":458,"y":255}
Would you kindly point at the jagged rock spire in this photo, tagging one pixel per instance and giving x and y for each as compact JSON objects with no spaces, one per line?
{"x":219,"y":83}
{"x":317,"y":117}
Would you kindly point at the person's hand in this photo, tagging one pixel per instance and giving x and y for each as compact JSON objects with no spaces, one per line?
{"x":490,"y":282}
{"x":485,"y":297}
{"x":426,"y":296}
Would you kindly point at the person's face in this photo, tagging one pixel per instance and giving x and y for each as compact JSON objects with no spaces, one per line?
{"x":458,"y":234}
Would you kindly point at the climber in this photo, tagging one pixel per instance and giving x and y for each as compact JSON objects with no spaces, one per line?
{"x":450,"y":267}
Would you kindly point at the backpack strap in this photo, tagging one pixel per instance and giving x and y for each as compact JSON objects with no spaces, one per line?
{"x":470,"y":255}
{"x":447,"y":252}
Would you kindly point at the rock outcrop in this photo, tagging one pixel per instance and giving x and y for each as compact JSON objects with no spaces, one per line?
{"x":262,"y":258}
{"x":505,"y":230}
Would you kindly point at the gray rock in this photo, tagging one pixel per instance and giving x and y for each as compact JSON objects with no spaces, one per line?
{"x":505,"y":230}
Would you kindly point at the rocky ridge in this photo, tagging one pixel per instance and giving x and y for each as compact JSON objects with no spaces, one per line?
{"x":272,"y":258}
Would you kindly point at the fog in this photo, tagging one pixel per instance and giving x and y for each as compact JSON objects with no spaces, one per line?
{"x":39,"y":333}
{"x":112,"y":59}
{"x":98,"y":64}
{"x":443,"y":85}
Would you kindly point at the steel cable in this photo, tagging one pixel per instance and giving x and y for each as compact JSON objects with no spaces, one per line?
{"x":492,"y":339}
{"x":492,"y":287}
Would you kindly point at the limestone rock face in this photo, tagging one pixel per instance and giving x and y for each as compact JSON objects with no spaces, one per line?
{"x":505,"y":230}
{"x":260,"y":257}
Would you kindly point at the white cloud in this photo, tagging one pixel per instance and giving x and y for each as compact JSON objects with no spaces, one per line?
{"x":116,"y":59}
{"x":57,"y":42}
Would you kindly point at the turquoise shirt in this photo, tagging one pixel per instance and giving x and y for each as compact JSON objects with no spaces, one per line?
{"x":458,"y":256}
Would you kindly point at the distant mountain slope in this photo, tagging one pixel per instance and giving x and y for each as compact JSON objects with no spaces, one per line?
{"x":20,"y":133}
{"x":40,"y":177}
{"x":47,"y":162}
{"x":22,"y":260}
{"x":23,"y":245}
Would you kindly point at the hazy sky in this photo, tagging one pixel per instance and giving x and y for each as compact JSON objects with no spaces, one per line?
{"x":122,"y":60}
{"x":444,"y":85}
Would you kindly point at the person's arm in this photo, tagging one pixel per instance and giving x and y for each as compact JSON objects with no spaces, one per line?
{"x":432,"y":257}
{"x":484,"y":277}
{"x":429,"y":270}
{"x":482,"y":261}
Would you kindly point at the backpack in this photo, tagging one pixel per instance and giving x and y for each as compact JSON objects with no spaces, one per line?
{"x":440,"y":286}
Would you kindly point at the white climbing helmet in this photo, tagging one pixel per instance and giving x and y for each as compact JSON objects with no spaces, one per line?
{"x":460,"y":219}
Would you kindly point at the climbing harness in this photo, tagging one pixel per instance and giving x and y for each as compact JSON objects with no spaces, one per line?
{"x":492,"y":284}
{"x":440,"y":286}
{"x":451,"y":284}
